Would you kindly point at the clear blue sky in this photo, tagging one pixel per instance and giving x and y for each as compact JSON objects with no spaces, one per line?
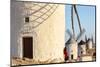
{"x":87,"y":19}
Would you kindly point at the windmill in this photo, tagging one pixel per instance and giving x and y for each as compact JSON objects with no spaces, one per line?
{"x":72,"y":43}
{"x":89,"y":42}
{"x":37,"y":23}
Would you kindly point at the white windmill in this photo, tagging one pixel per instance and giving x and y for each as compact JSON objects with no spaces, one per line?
{"x":72,"y":43}
{"x":89,"y":42}
{"x":40,"y":29}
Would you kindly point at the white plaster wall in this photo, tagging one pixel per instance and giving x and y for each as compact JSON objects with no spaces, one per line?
{"x":83,"y":48}
{"x":73,"y":48}
{"x":50,"y":35}
{"x":90,"y":44}
{"x":16,"y":24}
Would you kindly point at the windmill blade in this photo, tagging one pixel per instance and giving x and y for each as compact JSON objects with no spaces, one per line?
{"x":69,"y":32}
{"x":85,"y":38}
{"x":81,"y":33}
{"x":72,"y":19}
{"x":92,"y":39}
{"x":77,"y":18}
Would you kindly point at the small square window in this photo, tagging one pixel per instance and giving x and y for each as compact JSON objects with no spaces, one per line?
{"x":26,"y":19}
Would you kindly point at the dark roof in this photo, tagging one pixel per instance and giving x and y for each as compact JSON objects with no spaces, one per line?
{"x":81,"y":42}
{"x":71,"y":40}
{"x":68,"y":42}
{"x":88,"y":40}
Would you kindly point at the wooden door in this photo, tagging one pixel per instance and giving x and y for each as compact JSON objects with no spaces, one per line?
{"x":28,"y":47}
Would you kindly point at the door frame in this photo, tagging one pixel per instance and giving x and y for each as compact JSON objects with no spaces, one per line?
{"x":20,"y":43}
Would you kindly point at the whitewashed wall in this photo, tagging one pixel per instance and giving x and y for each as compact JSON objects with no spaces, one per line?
{"x":73,"y":50}
{"x":50,"y":37}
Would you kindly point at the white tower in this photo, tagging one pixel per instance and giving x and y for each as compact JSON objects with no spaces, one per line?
{"x":90,"y":44}
{"x":41,"y":31}
{"x":72,"y":48}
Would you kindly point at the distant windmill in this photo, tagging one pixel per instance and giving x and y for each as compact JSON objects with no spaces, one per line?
{"x":89,"y":42}
{"x":92,"y":39}
{"x":72,"y":43}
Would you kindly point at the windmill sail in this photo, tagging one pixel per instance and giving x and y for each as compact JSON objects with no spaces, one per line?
{"x":72,"y":22}
{"x":77,"y":18}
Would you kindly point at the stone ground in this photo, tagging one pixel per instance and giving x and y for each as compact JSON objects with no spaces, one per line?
{"x":26,"y":61}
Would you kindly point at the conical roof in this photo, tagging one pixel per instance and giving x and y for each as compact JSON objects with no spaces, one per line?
{"x":71,"y":40}
{"x":81,"y":42}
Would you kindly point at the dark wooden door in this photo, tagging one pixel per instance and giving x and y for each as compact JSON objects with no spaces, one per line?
{"x":28,"y":47}
{"x":71,"y":56}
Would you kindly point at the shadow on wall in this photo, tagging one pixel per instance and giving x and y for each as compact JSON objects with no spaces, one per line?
{"x":15,"y":26}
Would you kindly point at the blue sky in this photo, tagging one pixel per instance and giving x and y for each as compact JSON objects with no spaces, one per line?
{"x":87,"y":19}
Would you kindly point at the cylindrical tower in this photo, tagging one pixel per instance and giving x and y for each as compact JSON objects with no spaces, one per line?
{"x":41,"y":31}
